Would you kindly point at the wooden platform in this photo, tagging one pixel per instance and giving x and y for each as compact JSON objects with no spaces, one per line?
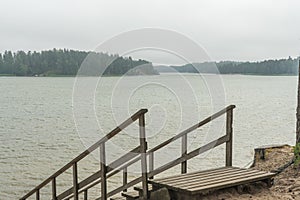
{"x":205,"y":181}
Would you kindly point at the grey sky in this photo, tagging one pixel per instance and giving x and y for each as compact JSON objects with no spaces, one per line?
{"x":227,"y":29}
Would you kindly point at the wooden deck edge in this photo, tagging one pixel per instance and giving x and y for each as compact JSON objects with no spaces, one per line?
{"x":266,"y":178}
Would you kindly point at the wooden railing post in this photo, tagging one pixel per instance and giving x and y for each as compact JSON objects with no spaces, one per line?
{"x":75,"y":181}
{"x":54,"y":188}
{"x":183,"y":153}
{"x":151,"y":163}
{"x":37,"y":195}
{"x":229,"y":130}
{"x":143,"y":145}
{"x":85,"y":195}
{"x":125,"y":173}
{"x":103,"y":172}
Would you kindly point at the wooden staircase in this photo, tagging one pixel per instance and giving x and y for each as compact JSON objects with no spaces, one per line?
{"x":182,"y":186}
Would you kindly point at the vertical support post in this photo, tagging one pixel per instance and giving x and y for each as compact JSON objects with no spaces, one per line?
{"x":151,"y":163}
{"x":85,"y":195}
{"x":183,"y":153}
{"x":75,"y":182}
{"x":37,"y":194}
{"x":298,"y":109}
{"x":54,"y":188}
{"x":229,"y":129}
{"x":125,"y":177}
{"x":143,"y":145}
{"x":103,"y":172}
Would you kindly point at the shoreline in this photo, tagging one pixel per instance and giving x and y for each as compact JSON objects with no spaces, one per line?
{"x":161,"y":73}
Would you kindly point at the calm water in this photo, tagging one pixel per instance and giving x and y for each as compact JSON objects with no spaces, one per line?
{"x":38,"y":133}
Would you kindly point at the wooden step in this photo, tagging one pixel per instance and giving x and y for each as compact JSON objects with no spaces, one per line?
{"x":203,"y":181}
{"x":118,"y":198}
{"x":140,"y":188}
{"x":131,"y":195}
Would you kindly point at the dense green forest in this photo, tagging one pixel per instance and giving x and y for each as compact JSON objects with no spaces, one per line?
{"x":63,"y":62}
{"x":287,"y":66}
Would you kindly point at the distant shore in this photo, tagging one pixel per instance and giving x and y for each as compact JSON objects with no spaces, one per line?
{"x":162,"y":73}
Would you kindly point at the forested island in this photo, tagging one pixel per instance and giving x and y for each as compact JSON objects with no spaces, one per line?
{"x":287,"y":66}
{"x":64,"y":62}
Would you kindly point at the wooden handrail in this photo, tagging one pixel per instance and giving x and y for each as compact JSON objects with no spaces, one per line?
{"x":192,"y":128}
{"x":190,"y":155}
{"x":111,"y":134}
{"x":186,"y":156}
{"x":122,"y":163}
{"x":185,"y":132}
{"x":227,"y":139}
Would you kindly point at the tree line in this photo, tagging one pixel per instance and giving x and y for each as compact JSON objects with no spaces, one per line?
{"x":66,"y":62}
{"x":287,"y":66}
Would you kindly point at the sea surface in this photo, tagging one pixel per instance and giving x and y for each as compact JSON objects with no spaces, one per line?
{"x":45,"y":122}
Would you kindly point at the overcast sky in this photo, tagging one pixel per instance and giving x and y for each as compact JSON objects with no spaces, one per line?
{"x":228,"y":30}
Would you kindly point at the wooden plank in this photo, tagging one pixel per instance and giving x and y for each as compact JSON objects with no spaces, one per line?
{"x":228,"y":178}
{"x":219,"y":183}
{"x":103,"y":172}
{"x":201,"y":175}
{"x":210,"y":171}
{"x":229,"y":133}
{"x":118,"y":198}
{"x":231,"y":183}
{"x":206,"y":181}
{"x":208,"y":175}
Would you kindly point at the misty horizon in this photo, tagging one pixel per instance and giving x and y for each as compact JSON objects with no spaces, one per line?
{"x":232,"y":30}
